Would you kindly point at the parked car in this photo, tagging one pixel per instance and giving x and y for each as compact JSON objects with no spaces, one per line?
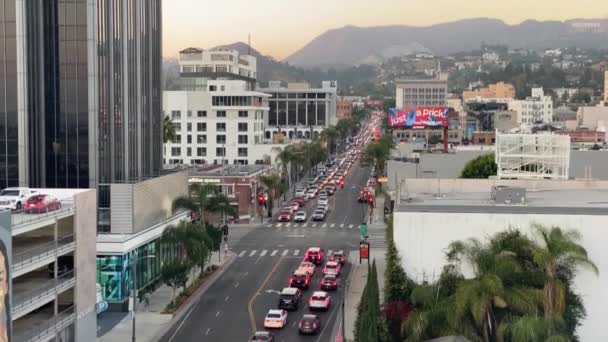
{"x":41,"y":204}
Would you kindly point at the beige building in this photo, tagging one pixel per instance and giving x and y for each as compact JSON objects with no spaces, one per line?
{"x":500,"y":91}
{"x":505,"y":121}
{"x":594,"y":118}
{"x":344,"y":109}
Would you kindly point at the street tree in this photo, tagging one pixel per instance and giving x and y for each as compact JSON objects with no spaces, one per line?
{"x":481,"y":167}
{"x":199,"y":199}
{"x":175,"y":275}
{"x":168,"y":130}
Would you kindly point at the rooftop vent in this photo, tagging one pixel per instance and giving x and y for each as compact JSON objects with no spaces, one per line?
{"x":508,"y":195}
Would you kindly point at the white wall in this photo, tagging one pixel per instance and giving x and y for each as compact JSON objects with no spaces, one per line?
{"x":422,"y":239}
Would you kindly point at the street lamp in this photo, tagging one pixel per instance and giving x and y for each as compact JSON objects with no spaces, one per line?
{"x":132,"y":300}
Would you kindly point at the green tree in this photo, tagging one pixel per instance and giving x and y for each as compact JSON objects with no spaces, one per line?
{"x":168,"y":130}
{"x":581,"y":97}
{"x":275,"y":187}
{"x":285,"y":156}
{"x":481,"y":167}
{"x":220,"y":203}
{"x":378,"y":153}
{"x":329,"y":136}
{"x":175,"y":274}
{"x":559,"y":251}
{"x":198,"y":200}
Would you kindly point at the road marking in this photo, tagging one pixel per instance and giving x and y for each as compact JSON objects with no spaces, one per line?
{"x":217,"y":314}
{"x":263,"y":253}
{"x":294,"y":324}
{"x":257,"y":292}
{"x":324,"y":225}
{"x":287,"y":225}
{"x":274,"y":252}
{"x":342,"y":225}
{"x":279,"y":225}
{"x":236,"y":284}
{"x":296,"y":252}
{"x":242,"y":254}
{"x":350,"y":226}
{"x":246,"y":273}
{"x":314,"y":225}
{"x":252,"y":252}
{"x":333,"y":225}
{"x":226,"y":299}
{"x":333,"y":311}
{"x":285,"y":252}
{"x":329,"y":252}
{"x":208,"y":330}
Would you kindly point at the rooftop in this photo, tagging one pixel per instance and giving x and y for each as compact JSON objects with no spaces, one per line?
{"x":228,"y":170}
{"x":578,"y":202}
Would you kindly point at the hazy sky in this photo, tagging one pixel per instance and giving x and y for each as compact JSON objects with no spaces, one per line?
{"x":280,"y":27}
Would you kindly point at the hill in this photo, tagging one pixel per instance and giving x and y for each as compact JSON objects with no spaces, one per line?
{"x":353,"y":45}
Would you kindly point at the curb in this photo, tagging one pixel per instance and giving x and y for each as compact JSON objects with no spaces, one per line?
{"x":338,"y":322}
{"x":181,"y":312}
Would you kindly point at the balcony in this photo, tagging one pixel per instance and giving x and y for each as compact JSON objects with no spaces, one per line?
{"x":42,"y":326}
{"x":29,"y":255}
{"x":36,"y":289}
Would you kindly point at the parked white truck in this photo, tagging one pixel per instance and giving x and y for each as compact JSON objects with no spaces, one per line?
{"x":13,"y":198}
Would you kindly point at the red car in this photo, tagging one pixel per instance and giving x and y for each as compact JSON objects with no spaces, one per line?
{"x":329,"y":282}
{"x":285,"y":216}
{"x":338,"y":257}
{"x":363,"y":195}
{"x":300,"y":200}
{"x":314,"y":255}
{"x":41,"y":204}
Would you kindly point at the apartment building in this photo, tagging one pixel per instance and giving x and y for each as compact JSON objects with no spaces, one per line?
{"x":300,"y":111}
{"x":223,"y":124}
{"x":498,"y":92}
{"x":197,"y":66}
{"x":51,"y":269}
{"x":344,"y":109}
{"x":535,"y":109}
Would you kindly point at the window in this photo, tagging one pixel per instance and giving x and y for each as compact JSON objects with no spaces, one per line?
{"x":176,"y":151}
{"x":201,"y":151}
{"x":189,"y":152}
{"x":189,"y":139}
{"x":189,"y":113}
{"x":220,"y":127}
{"x":242,"y":152}
{"x":243,"y":127}
{"x":242,"y":139}
{"x":243,"y":114}
{"x":201,"y":113}
{"x":177,"y":139}
{"x":220,"y":139}
{"x":220,"y":152}
{"x":176,"y":114}
{"x":201,"y":139}
{"x":221,"y":113}
{"x":201,"y":127}
{"x":189,"y":127}
{"x":177,"y":126}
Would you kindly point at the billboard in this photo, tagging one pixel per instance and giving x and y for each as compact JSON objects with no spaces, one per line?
{"x":418,"y":117}
{"x":6,"y":253}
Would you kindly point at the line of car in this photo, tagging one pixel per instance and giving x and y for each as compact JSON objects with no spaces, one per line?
{"x":28,"y":201}
{"x":291,"y":297}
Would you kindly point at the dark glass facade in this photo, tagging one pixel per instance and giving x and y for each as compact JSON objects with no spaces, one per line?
{"x":9,"y":171}
{"x":129,"y":146}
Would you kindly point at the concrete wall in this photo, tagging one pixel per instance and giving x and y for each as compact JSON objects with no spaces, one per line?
{"x":85,"y":227}
{"x":451,"y":165}
{"x":422,"y":239}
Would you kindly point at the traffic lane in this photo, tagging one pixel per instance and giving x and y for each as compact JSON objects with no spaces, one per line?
{"x":347,"y":209}
{"x":269,"y":299}
{"x":221,"y":305}
{"x":281,"y":239}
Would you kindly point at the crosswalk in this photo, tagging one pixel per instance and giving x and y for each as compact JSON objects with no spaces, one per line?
{"x":314,"y":225}
{"x":272,"y":253}
{"x":377,"y":241}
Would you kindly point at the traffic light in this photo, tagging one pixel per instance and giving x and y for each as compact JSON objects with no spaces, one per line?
{"x":371,"y":199}
{"x":262,"y":200}
{"x":225,"y":230}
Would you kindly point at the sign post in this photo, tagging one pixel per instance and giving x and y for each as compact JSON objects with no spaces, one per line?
{"x":363,"y":230}
{"x":364,"y":251}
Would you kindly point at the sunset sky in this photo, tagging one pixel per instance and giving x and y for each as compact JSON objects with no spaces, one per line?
{"x":280,"y":27}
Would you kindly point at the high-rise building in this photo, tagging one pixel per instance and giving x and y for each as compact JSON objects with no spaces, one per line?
{"x":421,"y":93}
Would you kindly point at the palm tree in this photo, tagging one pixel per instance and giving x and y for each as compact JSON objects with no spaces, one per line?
{"x":220,"y":203}
{"x":168,"y":130}
{"x":558,"y":252}
{"x":284,"y":158}
{"x":329,"y":136}
{"x":378,"y":153}
{"x":199,"y":199}
{"x":275,"y":187}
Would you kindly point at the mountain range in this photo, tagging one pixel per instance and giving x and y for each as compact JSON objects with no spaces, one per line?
{"x":351,"y":45}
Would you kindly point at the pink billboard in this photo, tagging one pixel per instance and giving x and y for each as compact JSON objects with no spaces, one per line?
{"x":418,"y":117}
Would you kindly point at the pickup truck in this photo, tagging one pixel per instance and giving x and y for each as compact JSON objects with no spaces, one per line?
{"x":13,"y":198}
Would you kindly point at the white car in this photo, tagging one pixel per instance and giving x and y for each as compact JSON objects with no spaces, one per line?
{"x":276,"y":319}
{"x":310,"y":194}
{"x":319,"y":300}
{"x":323,"y":200}
{"x":323,"y":193}
{"x":13,"y":198}
{"x":300,"y":216}
{"x":290,"y":209}
{"x":294,"y":206}
{"x":300,"y":192}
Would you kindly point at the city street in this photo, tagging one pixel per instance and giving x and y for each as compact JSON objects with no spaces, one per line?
{"x":235,"y":306}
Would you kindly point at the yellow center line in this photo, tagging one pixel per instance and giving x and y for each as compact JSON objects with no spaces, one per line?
{"x":257,"y":292}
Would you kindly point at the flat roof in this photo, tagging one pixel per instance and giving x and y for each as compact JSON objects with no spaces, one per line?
{"x":573,"y":202}
{"x":228,"y":170}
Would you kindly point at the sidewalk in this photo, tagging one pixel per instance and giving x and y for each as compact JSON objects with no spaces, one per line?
{"x":117,"y":326}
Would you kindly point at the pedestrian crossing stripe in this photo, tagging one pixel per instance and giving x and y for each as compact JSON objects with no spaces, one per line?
{"x":263,"y":253}
{"x":279,"y":225}
{"x":296,"y":252}
{"x":287,"y":225}
{"x":242,"y":254}
{"x":342,"y":225}
{"x":274,"y":252}
{"x":252,"y":252}
{"x":285,"y":252}
{"x":324,"y":225}
{"x":351,"y":226}
{"x":314,"y":225}
{"x":333,"y":225}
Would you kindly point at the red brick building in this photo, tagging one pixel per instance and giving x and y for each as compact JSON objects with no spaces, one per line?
{"x":483,"y":138}
{"x":344,"y":109}
{"x":590,"y":137}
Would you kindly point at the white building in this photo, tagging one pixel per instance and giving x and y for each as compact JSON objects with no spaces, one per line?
{"x":299,"y":111}
{"x":197,"y":66}
{"x":594,"y":118}
{"x":535,"y":109}
{"x":559,"y":92}
{"x":222,"y":124}
{"x":427,"y":225}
